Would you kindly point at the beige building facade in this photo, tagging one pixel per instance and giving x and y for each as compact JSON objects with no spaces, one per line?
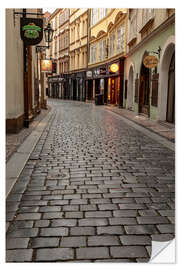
{"x":23,"y":84}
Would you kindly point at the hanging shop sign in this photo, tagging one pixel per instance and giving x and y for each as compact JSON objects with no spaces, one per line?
{"x":46,"y":65}
{"x":31,"y":30}
{"x":114,"y":68}
{"x":89,"y":74}
{"x":150,"y":61}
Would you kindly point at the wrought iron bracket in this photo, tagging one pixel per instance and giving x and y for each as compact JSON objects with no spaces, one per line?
{"x":158,"y":52}
{"x":41,"y":48}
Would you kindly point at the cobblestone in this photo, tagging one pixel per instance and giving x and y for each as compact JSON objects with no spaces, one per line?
{"x":94,"y":189}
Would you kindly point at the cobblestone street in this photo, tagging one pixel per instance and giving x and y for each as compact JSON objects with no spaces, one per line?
{"x":94,"y":189}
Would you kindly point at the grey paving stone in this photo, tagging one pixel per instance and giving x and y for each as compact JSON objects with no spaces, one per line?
{"x":45,"y":209}
{"x":16,"y":243}
{"x":103,"y":241}
{"x":53,"y":215}
{"x":149,"y":213}
{"x":166,"y":228}
{"x":93,"y":222}
{"x":74,"y":215}
{"x":28,"y":216}
{"x":167,"y":213}
{"x":27,"y":232}
{"x":100,"y":201}
{"x":92,"y":253}
{"x":128,"y":252}
{"x":107,"y":207}
{"x":162,"y":237}
{"x":70,"y":208}
{"x":41,"y":223}
{"x":110,"y":230}
{"x":19,"y":255}
{"x":98,"y":214}
{"x":21,"y":224}
{"x":54,"y":231}
{"x":132,"y":206}
{"x":59,"y":202}
{"x":135,"y":240}
{"x":54,"y":254}
{"x":82,"y":231}
{"x":125,"y":213}
{"x":45,"y":242}
{"x":79,"y":241}
{"x":91,"y":207}
{"x":152,"y":220}
{"x":122,"y":221}
{"x":80,"y":201}
{"x":64,"y":223}
{"x":141,"y":229}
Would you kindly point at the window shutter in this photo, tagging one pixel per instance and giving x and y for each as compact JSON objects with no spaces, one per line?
{"x":154,"y":97}
{"x":136,"y":90}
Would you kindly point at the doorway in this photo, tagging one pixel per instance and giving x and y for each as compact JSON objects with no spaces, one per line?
{"x":144,"y":91}
{"x":170,"y":116}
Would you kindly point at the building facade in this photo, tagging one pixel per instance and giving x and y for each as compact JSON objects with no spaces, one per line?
{"x":107,"y":50}
{"x":78,"y":24}
{"x":151,"y":92}
{"x":25,"y":93}
{"x":59,"y":53}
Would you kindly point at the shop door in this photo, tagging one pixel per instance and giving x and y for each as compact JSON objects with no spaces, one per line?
{"x":74,"y":89}
{"x":170,"y":117}
{"x":144,"y":91}
{"x":112,"y":92}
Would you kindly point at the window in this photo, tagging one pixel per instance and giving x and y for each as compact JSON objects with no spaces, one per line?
{"x":122,"y":38}
{"x":103,"y":12}
{"x":104,"y":49}
{"x":100,"y":50}
{"x":147,"y":14}
{"x":133,"y":24}
{"x":111,"y":48}
{"x":94,"y":17}
{"x":93,"y":53}
{"x":118,"y":39}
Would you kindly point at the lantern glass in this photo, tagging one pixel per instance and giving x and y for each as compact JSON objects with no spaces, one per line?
{"x":48,"y":33}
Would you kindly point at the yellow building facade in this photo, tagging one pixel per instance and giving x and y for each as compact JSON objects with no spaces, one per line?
{"x":107,"y":47}
{"x":78,"y":47}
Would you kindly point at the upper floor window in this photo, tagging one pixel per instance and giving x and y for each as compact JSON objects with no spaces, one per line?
{"x":94,"y":17}
{"x":118,"y":39}
{"x":111,"y":47}
{"x":104,"y":49}
{"x":100,"y":50}
{"x":147,"y":14}
{"x":132,"y":24}
{"x":93,"y":53}
{"x":122,"y":37}
{"x":103,"y":12}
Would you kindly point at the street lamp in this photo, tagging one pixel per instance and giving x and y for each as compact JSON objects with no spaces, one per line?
{"x":48,"y":32}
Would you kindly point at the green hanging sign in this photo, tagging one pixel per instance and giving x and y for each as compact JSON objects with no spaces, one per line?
{"x":31,"y":30}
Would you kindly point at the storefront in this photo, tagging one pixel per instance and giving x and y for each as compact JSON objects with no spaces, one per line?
{"x":77,"y":86}
{"x":106,"y":80}
{"x":56,"y":87}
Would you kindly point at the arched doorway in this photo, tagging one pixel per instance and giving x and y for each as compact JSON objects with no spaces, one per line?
{"x":170,"y":114}
{"x":130,"y":89}
{"x":144,"y":89}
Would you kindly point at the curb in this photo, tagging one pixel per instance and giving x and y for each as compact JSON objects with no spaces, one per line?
{"x":18,"y":159}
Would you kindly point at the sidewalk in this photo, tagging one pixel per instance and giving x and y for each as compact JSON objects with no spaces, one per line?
{"x":13,"y":141}
{"x":164,"y":129}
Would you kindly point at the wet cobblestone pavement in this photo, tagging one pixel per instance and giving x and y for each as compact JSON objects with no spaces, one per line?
{"x":93,"y":190}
